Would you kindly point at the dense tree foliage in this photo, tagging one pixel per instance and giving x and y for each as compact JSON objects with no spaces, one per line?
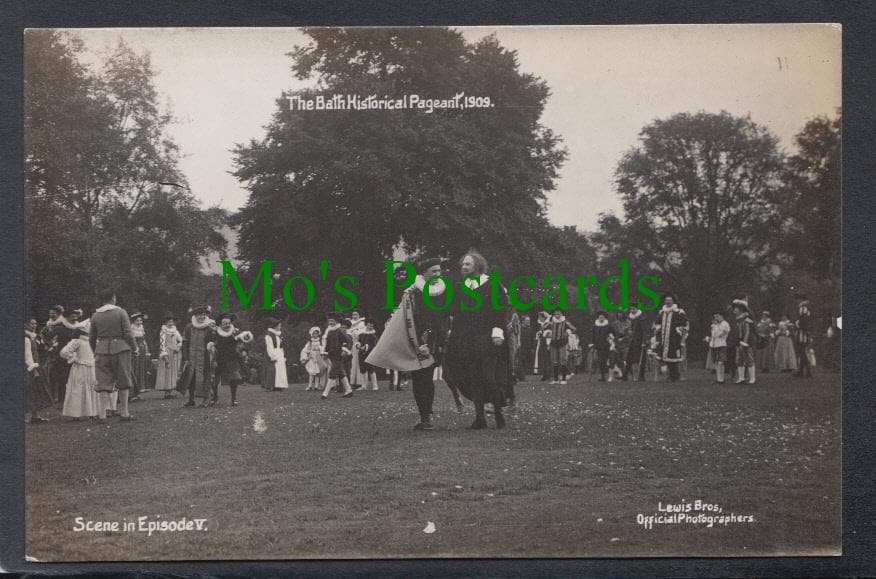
{"x":96,"y":211}
{"x":353,"y":186}
{"x":713,"y":207}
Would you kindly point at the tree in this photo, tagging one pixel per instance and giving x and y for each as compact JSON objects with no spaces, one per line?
{"x":351,"y":186}
{"x":702,"y":194}
{"x":814,"y":181}
{"x":96,"y":212}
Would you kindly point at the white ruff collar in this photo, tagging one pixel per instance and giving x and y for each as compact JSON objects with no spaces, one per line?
{"x":223,"y":333}
{"x":275,"y":332}
{"x":200,"y":326}
{"x":436,"y":288}
{"x":666,"y":309}
{"x":30,"y":334}
{"x":601,"y":324}
{"x":636,"y":315}
{"x":475,"y":283}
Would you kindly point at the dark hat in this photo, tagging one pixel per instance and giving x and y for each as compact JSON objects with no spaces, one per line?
{"x":346,"y":322}
{"x":137,"y":315}
{"x":200,"y":310}
{"x":271,"y":322}
{"x":427,"y":262}
{"x":77,"y":311}
{"x":229,"y":315}
{"x":168,"y":317}
{"x":668,"y":295}
{"x":57,"y":308}
{"x":602,"y":313}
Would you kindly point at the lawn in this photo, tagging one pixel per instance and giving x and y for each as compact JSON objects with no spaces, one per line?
{"x":286,"y":475}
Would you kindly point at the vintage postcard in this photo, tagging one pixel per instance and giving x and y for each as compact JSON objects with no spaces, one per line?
{"x":343,"y":293}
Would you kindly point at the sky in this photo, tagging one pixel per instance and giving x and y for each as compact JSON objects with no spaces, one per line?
{"x":607,"y":83}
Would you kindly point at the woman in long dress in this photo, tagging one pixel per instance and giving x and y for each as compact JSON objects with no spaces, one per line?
{"x":80,"y":399}
{"x":785,"y":358}
{"x":275,"y":366}
{"x":357,"y":326}
{"x":141,"y":360}
{"x":169,"y":357}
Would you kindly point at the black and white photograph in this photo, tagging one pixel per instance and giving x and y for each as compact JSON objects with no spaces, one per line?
{"x":432,"y":292}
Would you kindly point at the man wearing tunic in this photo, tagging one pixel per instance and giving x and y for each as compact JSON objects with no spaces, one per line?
{"x":671,"y":326}
{"x":527,"y":343}
{"x":431,"y":326}
{"x":477,"y":353}
{"x":803,"y":339}
{"x":638,"y":346}
{"x":197,"y":374}
{"x":111,"y":341}
{"x":224,"y":342}
{"x":33,"y":385}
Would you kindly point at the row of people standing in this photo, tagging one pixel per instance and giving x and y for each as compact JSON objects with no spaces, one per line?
{"x":748,"y":346}
{"x":85,"y":366}
{"x":618,"y":345}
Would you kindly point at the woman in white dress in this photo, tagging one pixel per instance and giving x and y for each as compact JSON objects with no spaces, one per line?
{"x":80,"y":399}
{"x":785,"y":359}
{"x":275,"y":367}
{"x":312,"y":358}
{"x":169,"y":357}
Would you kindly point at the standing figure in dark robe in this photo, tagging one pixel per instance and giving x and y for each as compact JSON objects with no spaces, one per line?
{"x":558,"y":344}
{"x":765,"y":348}
{"x":196,"y":376}
{"x":47,"y":343}
{"x":603,"y":343}
{"x":338,"y":346}
{"x":671,"y":326}
{"x":477,"y":356}
{"x":34,"y":387}
{"x":142,"y":361}
{"x":61,"y":330}
{"x":638,"y":347}
{"x":367,"y":341}
{"x":623,"y":330}
{"x":225,"y":342}
{"x":803,"y":339}
{"x":527,"y":345}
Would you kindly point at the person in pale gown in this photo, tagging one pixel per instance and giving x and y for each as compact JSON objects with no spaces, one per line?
{"x":169,"y":357}
{"x":80,"y":400}
{"x":275,"y":367}
{"x":785,"y":358}
{"x":312,"y":358}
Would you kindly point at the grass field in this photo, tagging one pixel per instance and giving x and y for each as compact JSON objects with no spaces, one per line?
{"x":286,"y":475}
